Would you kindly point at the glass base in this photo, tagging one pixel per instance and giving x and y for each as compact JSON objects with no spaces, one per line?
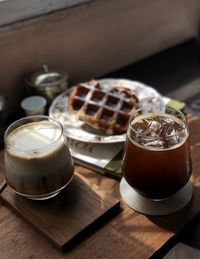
{"x":44,"y":197}
{"x":155,"y":207}
{"x":41,"y":197}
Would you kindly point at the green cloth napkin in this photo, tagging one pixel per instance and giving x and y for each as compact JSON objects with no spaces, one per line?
{"x":176,"y":104}
{"x":113,"y":168}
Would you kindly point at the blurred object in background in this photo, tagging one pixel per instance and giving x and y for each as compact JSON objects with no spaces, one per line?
{"x":3,"y":119}
{"x":46,"y":83}
{"x":34,"y":105}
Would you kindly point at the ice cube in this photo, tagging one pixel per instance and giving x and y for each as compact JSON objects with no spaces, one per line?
{"x":152,"y":143}
{"x":154,"y":128}
{"x":172,"y":141}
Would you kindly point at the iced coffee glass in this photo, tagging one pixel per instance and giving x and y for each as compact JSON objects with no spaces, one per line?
{"x":38,"y":164}
{"x":157,"y":162}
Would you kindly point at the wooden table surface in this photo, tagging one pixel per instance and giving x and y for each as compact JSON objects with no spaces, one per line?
{"x":127,"y":235}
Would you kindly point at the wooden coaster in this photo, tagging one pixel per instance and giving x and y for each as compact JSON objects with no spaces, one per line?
{"x":65,"y":218}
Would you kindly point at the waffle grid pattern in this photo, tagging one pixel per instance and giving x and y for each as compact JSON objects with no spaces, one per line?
{"x":105,"y":109}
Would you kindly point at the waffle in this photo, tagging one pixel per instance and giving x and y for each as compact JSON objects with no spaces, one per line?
{"x":108,"y":110}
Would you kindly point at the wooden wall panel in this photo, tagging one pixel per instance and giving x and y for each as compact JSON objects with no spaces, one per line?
{"x":92,"y":39}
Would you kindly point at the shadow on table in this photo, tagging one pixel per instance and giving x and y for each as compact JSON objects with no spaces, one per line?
{"x":183,"y":224}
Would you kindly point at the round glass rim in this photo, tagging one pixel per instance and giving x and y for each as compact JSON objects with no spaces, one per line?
{"x":31,"y":118}
{"x":158,"y":112}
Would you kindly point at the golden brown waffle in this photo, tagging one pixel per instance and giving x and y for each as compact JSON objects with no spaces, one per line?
{"x":105,"y":109}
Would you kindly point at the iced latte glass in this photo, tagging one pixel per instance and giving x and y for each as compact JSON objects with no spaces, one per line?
{"x":38,"y":164}
{"x":157,"y":162}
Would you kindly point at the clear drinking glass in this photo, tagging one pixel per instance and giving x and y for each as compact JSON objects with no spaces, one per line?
{"x":38,"y":164}
{"x":157,"y":162}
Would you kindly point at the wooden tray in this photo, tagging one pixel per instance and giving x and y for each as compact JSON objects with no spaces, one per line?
{"x":65,"y":219}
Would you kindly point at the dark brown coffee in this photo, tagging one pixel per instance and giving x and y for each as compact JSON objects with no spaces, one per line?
{"x":157,"y":160}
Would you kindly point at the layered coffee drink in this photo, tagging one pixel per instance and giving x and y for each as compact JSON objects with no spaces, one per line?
{"x":38,"y":163}
{"x":157,"y":161}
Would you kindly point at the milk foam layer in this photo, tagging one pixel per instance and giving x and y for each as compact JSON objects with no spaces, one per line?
{"x":36,"y":139}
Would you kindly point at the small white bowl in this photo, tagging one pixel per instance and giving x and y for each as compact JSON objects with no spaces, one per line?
{"x":34,"y":105}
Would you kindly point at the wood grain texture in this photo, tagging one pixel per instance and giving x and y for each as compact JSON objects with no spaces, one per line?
{"x":64,"y":218}
{"x":128,"y":235}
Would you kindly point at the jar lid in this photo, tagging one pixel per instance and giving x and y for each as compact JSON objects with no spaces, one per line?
{"x":44,"y":77}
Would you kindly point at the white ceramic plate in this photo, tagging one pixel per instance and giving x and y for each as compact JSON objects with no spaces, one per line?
{"x":78,"y":130}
